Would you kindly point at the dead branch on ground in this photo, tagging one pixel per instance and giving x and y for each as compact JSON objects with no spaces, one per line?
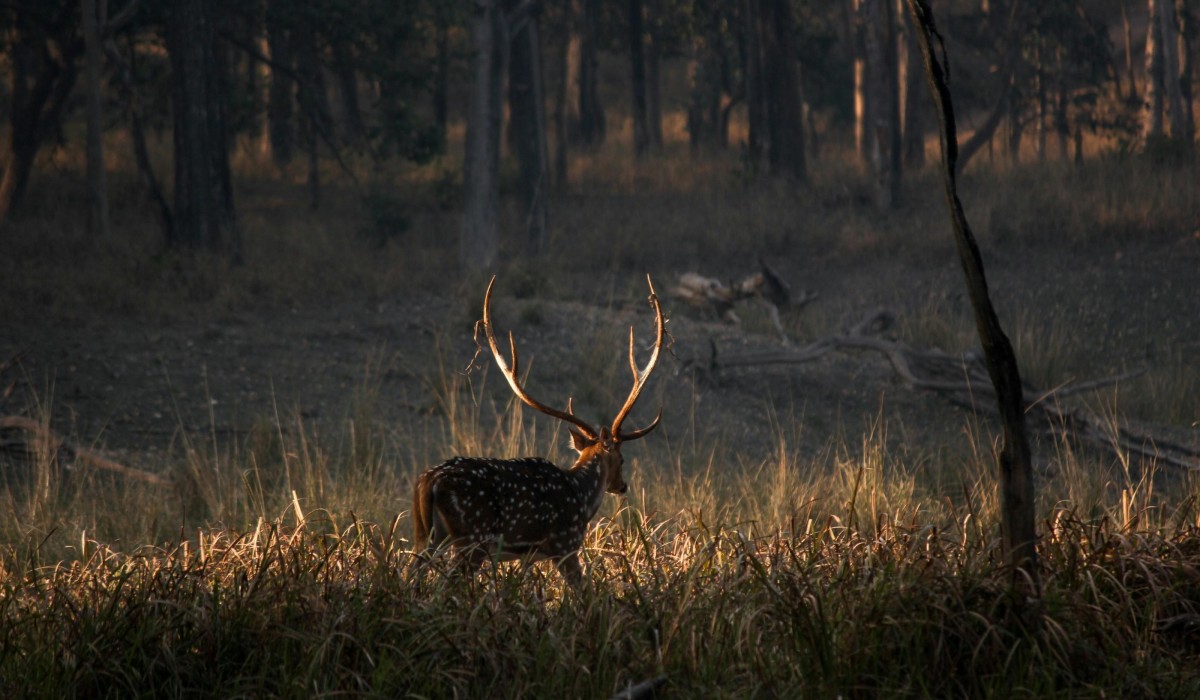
{"x":765,"y":287}
{"x":28,"y":438}
{"x":964,"y":381}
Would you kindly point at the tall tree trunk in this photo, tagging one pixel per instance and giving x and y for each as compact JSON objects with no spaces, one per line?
{"x":1015,"y":467}
{"x":754,"y":71}
{"x":98,"y":219}
{"x":654,"y":130}
{"x":527,"y":130}
{"x":909,"y":78}
{"x":281,"y":93}
{"x":785,"y":116}
{"x":137,"y":136}
{"x":637,"y":62}
{"x":1152,"y":102}
{"x":863,"y":119}
{"x":1129,"y":62}
{"x":480,"y":241}
{"x":204,"y":213}
{"x":566,"y":93}
{"x":1062,"y":124}
{"x":43,"y":72}
{"x":704,"y":93}
{"x":1187,"y":68}
{"x":313,"y":96}
{"x":1173,"y":95}
{"x":441,"y":85}
{"x":344,"y":62}
{"x":262,"y":95}
{"x":592,"y":124}
{"x":882,"y":134}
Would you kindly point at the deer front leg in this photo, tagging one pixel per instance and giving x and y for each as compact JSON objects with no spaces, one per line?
{"x":571,"y":569}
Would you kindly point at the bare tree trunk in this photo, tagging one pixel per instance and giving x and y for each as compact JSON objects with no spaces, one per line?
{"x":1152,"y":104}
{"x":204,"y":213}
{"x":784,"y":114}
{"x":1128,"y":35}
{"x":1018,"y":514}
{"x":568,"y":88}
{"x":637,"y":62}
{"x":1169,"y":36}
{"x":137,"y":135}
{"x":313,"y":96}
{"x":98,"y":219}
{"x":344,"y":62}
{"x":704,"y":113}
{"x":480,"y":242}
{"x":756,"y":85}
{"x":262,"y":94}
{"x":281,"y":100}
{"x":441,"y":84}
{"x":881,"y":134}
{"x":909,"y":78}
{"x":527,"y":130}
{"x":592,"y":124}
{"x":862,"y":101}
{"x":1062,"y":124}
{"x":1187,"y":69}
{"x":42,"y":79}
{"x":653,"y":77}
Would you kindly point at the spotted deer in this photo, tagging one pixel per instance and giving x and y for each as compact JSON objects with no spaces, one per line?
{"x":529,"y":508}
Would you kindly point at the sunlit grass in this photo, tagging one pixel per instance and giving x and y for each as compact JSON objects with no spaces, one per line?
{"x":281,"y":565}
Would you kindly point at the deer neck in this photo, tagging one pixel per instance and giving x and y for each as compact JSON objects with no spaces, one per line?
{"x":588,"y":471}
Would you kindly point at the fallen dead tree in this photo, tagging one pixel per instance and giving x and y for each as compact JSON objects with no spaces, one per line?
{"x":27,"y":440}
{"x":718,"y":299}
{"x":963,"y":380}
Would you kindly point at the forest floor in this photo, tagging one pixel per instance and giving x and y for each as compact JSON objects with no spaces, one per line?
{"x":139,"y":387}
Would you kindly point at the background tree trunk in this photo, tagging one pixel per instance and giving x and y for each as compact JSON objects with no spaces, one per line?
{"x":637,"y":62}
{"x":566,"y":98}
{"x":882,"y":135}
{"x":592,"y":123}
{"x":281,"y":100}
{"x":479,"y":245}
{"x":756,"y":86}
{"x":1187,"y":68}
{"x":862,"y":99}
{"x":313,"y":97}
{"x":98,"y":220}
{"x":43,"y":73}
{"x":204,"y":213}
{"x":1169,"y":47}
{"x":909,"y":78}
{"x":785,"y":116}
{"x":654,"y":130}
{"x":1152,"y":102}
{"x":527,"y":129}
{"x":344,"y":62}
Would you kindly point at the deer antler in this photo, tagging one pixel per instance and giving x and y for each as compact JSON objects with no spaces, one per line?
{"x":511,"y":374}
{"x":640,"y":376}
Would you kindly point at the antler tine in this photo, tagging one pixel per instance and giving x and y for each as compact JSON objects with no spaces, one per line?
{"x":511,"y":373}
{"x":640,"y":376}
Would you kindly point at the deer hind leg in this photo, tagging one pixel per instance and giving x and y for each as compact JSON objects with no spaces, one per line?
{"x":571,"y":569}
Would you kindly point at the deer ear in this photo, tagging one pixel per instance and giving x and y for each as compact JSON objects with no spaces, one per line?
{"x":606,"y":438}
{"x":579,"y":441}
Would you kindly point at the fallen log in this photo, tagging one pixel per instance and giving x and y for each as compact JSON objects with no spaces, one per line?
{"x":964,"y":381}
{"x":19,"y":434}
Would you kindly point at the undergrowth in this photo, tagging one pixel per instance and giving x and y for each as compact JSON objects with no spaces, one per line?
{"x":854,"y":573}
